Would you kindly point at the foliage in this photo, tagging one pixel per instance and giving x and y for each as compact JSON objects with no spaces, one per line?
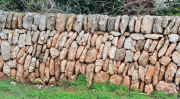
{"x":110,"y":7}
{"x":75,"y":90}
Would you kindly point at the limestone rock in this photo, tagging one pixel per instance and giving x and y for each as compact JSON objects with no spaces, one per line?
{"x":91,"y":55}
{"x":28,"y":38}
{"x":117,"y":23}
{"x":70,"y":40}
{"x":153,"y":58}
{"x":106,"y":50}
{"x":177,"y":79}
{"x":138,"y":24}
{"x":136,"y":55}
{"x":61,"y":41}
{"x":143,"y":59}
{"x":121,"y":41}
{"x":137,"y":36}
{"x":173,"y":38}
{"x":168,"y":88}
{"x":127,"y":81}
{"x":54,"y":52}
{"x":7,"y":69}
{"x":35,"y":36}
{"x":27,"y":62}
{"x":120,"y":54}
{"x":149,"y":74}
{"x":78,"y":24}
{"x":22,"y":40}
{"x":36,"y":22}
{"x":149,"y":89}
{"x":70,"y":68}
{"x":140,"y":45}
{"x":153,"y":36}
{"x":112,"y":52}
{"x":27,"y":21}
{"x":9,"y":18}
{"x":147,"y":24}
{"x":72,"y":51}
{"x":161,"y":73}
{"x":103,"y":22}
{"x":153,"y":46}
{"x":93,"y":23}
{"x":156,"y":73}
{"x":3,"y":16}
{"x":116,"y":79}
{"x":124,"y":23}
{"x":170,"y":72}
{"x":51,"y":22}
{"x":5,"y":50}
{"x":171,"y":48}
{"x":129,"y":56}
{"x":101,"y":77}
{"x":98,"y":65}
{"x":70,"y":22}
{"x":165,"y":60}
{"x":160,"y":44}
{"x":162,"y":51}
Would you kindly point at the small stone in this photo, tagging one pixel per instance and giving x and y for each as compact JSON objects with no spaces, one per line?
{"x":153,"y":36}
{"x":137,"y":36}
{"x":103,"y":22}
{"x":121,"y":41}
{"x":27,"y":62}
{"x":51,"y":21}
{"x":171,"y":48}
{"x":78,"y":24}
{"x":115,"y":41}
{"x":116,"y":79}
{"x":100,"y":53}
{"x":177,"y":79}
{"x":70,"y":22}
{"x":168,"y":88}
{"x":99,"y":41}
{"x":132,"y":23}
{"x":105,"y":38}
{"x":127,"y":81}
{"x":110,"y":24}
{"x":138,"y":24}
{"x":22,"y":40}
{"x":98,"y":65}
{"x":114,"y":33}
{"x":129,"y":56}
{"x":106,"y":50}
{"x":140,"y":44}
{"x":147,"y":24}
{"x":36,"y":22}
{"x":162,"y":51}
{"x":153,"y":46}
{"x":147,"y":45}
{"x":157,"y":28}
{"x":70,"y":68}
{"x":112,"y":52}
{"x":91,"y":55}
{"x":153,"y":58}
{"x":35,"y":36}
{"x":170,"y":72}
{"x":149,"y":89}
{"x":161,"y":73}
{"x":173,"y":38}
{"x":121,"y":68}
{"x":54,"y":52}
{"x":116,"y":25}
{"x":160,"y":44}
{"x":129,"y":44}
{"x":61,"y":22}
{"x":165,"y":60}
{"x":42,"y":22}
{"x":124,"y":23}
{"x":5,"y":50}
{"x":72,"y":51}
{"x":156,"y":73}
{"x":106,"y":64}
{"x":63,"y":65}
{"x":143,"y":59}
{"x":136,"y":55}
{"x":131,"y":69}
{"x":93,"y":22}
{"x":101,"y":77}
{"x":27,"y":21}
{"x":149,"y":74}
{"x":120,"y":54}
{"x":83,"y":55}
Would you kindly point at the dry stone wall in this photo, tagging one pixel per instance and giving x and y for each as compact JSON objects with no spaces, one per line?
{"x":138,"y":51}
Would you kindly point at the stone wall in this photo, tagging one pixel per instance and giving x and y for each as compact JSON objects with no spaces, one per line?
{"x":141,"y":52}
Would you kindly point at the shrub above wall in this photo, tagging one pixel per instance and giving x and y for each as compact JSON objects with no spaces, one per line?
{"x":139,"y":51}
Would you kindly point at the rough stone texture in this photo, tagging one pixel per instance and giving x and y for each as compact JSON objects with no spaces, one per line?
{"x":157,"y":28}
{"x":147,"y":24}
{"x":27,"y":21}
{"x":162,"y":51}
{"x":91,"y":55}
{"x":51,"y":21}
{"x":110,"y":24}
{"x":78,"y":24}
{"x":156,"y":73}
{"x":170,"y":72}
{"x":5,"y":50}
{"x":42,"y":22}
{"x":168,"y":88}
{"x":149,"y":89}
{"x":176,"y":57}
{"x":93,"y":23}
{"x":124,"y":23}
{"x":129,"y":43}
{"x":129,"y":56}
{"x":165,"y":60}
{"x":61,"y":22}
{"x":72,"y":51}
{"x":116,"y":79}
{"x":173,"y":38}
{"x":138,"y":24}
{"x":54,"y":52}
{"x":101,"y":77}
{"x":143,"y":59}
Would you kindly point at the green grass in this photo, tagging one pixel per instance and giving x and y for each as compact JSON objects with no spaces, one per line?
{"x":74,"y":90}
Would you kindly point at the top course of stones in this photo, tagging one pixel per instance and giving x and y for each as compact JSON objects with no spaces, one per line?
{"x":91,"y":23}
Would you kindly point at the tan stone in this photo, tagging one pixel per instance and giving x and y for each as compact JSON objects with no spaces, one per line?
{"x":83,"y":55}
{"x":120,"y":54}
{"x":129,"y":56}
{"x":63,"y":54}
{"x":31,"y":77}
{"x":165,"y":60}
{"x":22,"y":59}
{"x":20,"y":22}
{"x":149,"y":74}
{"x":121,"y":68}
{"x":52,"y":81}
{"x":171,"y":48}
{"x":138,"y":24}
{"x":121,"y":41}
{"x":27,"y":62}
{"x":147,"y":24}
{"x":153,"y":36}
{"x":177,"y":79}
{"x":70,"y":40}
{"x":141,"y":87}
{"x":105,"y":38}
{"x":136,"y":55}
{"x":98,"y":65}
{"x":153,"y":58}
{"x":125,"y":70}
{"x":124,"y":23}
{"x":61,"y":41}
{"x":51,"y":21}
{"x":38,"y":51}
{"x":79,"y":51}
{"x":19,"y":75}
{"x":168,"y":88}
{"x":54,"y":40}
{"x":130,"y":69}
{"x":5,"y":50}
{"x":149,"y":89}
{"x":57,"y":68}
{"x":142,"y":72}
{"x":153,"y":46}
{"x":85,"y":23}
{"x":91,"y":55}
{"x":101,"y":77}
{"x":70,"y":22}
{"x":52,"y":67}
{"x":78,"y":24}
{"x":70,"y":68}
{"x":160,"y":44}
{"x":170,"y":72}
{"x":82,"y":69}
{"x":72,"y":51}
{"x":161,"y":73}
{"x":13,"y":73}
{"x":100,"y":53}
{"x":63,"y":65}
{"x":77,"y":67}
{"x":106,"y":64}
{"x":112,"y":52}
{"x":162,"y":51}
{"x":54,"y":52}
{"x":90,"y":73}
{"x":116,"y":79}
{"x":127,"y":81}
{"x":136,"y":65}
{"x":41,"y":70}
{"x":13,"y":63}
{"x":99,"y":41}
{"x":93,"y":39}
{"x":61,"y":22}
{"x":34,"y":50}
{"x":143,"y":59}
{"x":156,"y":73}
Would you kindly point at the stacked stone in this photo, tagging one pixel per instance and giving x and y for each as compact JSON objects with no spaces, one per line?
{"x":139,"y":52}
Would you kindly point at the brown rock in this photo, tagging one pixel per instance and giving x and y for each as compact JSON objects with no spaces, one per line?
{"x":176,"y":57}
{"x":165,"y":60}
{"x":78,"y":24}
{"x":61,"y":22}
{"x":160,"y":44}
{"x":171,"y":48}
{"x":79,"y":51}
{"x":93,"y":39}
{"x":143,"y":59}
{"x":52,"y":67}
{"x":129,"y":56}
{"x":100,"y":53}
{"x":153,"y":58}
{"x":37,"y":72}
{"x":38,"y":51}
{"x":70,"y":40}
{"x":54,"y":52}
{"x":77,"y":67}
{"x":46,"y":74}
{"x":127,"y":81}
{"x":91,"y":55}
{"x":161,"y":73}
{"x":19,"y":75}
{"x":177,"y":79}
{"x":131,"y":69}
{"x":101,"y":77}
{"x":153,"y":46}
{"x":20,"y":22}
{"x":170,"y":72}
{"x":121,"y":68}
{"x":156,"y":73}
{"x":13,"y":63}
{"x":140,"y":45}
{"x":147,"y":24}
{"x":136,"y":55}
{"x":39,"y":81}
{"x":116,"y":79}
{"x":125,"y":70}
{"x":138,"y":24}
{"x":22,"y":59}
{"x":112,"y":52}
{"x":82,"y":69}
{"x":27,"y":62}
{"x":149,"y":89}
{"x":149,"y":74}
{"x":99,"y":41}
{"x":121,"y":41}
{"x":41,"y":70}
{"x":106,"y":64}
{"x":31,"y":77}
{"x":63,"y":54}
{"x":83,"y":55}
{"x":168,"y":88}
{"x":5,"y":50}
{"x":98,"y":65}
{"x":13,"y":73}
{"x":162,"y":51}
{"x":85,"y":23}
{"x":63,"y":65}
{"x":105,"y":38}
{"x":124,"y":23}
{"x":136,"y":65}
{"x":57,"y":68}
{"x":52,"y":81}
{"x":70,"y":22}
{"x":1,"y":63}
{"x":89,"y":72}
{"x":141,"y":87}
{"x":72,"y":51}
{"x":61,"y":41}
{"x":51,"y":21}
